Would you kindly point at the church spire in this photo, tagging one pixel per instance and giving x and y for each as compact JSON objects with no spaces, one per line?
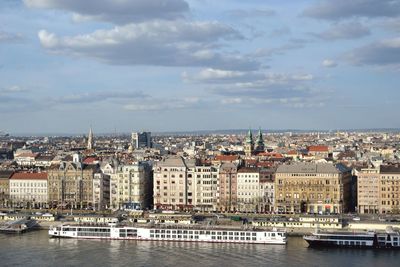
{"x":249,"y":144}
{"x":90,"y":144}
{"x":260,"y":147}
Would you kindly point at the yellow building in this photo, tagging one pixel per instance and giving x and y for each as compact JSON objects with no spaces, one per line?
{"x":313,"y":188}
{"x":389,"y":189}
{"x":70,"y":185}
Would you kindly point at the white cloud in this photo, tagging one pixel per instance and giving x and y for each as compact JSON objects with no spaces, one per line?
{"x":349,"y":30}
{"x":341,"y":9}
{"x":381,"y":53}
{"x":13,"y":89}
{"x":252,"y":13}
{"x":246,"y":78}
{"x":328,"y":63}
{"x":231,"y":101}
{"x":116,"y":11}
{"x":156,"y":104}
{"x":162,"y":43}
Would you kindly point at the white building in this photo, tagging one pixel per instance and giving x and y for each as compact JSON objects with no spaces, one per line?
{"x":28,"y":190}
{"x":248,"y":189}
{"x":172,"y":189}
{"x":205,"y":189}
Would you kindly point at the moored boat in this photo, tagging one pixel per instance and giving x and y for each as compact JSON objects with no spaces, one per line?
{"x":170,"y":233}
{"x":371,"y":239}
{"x":19,"y":226}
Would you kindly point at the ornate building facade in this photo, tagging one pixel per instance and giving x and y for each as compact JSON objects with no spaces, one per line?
{"x":71,"y":185}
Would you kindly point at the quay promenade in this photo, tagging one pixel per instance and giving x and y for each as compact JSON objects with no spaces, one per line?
{"x":293,"y":224}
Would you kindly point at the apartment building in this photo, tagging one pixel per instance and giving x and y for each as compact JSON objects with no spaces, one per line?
{"x":227,"y":191}
{"x":248,"y":189}
{"x":312,"y":188}
{"x":71,"y":184}
{"x":368,"y":190}
{"x":205,"y":187}
{"x":173,"y":188}
{"x":389,"y":189}
{"x":131,"y":186}
{"x":28,"y":190}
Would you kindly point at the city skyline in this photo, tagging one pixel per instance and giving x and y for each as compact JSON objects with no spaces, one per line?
{"x":194,"y":65}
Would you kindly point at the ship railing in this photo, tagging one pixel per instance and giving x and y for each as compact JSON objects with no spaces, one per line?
{"x":205,"y":227}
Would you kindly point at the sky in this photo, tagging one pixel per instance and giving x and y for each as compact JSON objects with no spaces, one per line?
{"x":187,"y":65}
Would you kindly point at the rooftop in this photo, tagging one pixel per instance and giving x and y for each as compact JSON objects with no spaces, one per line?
{"x":304,"y":167}
{"x":29,"y":176}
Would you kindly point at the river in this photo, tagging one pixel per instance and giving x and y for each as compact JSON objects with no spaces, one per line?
{"x":37,"y":249}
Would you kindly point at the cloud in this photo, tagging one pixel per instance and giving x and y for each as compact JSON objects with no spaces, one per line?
{"x":251,"y":13}
{"x":230,"y":101}
{"x":328,"y":63}
{"x":287,"y":102}
{"x":245,"y":78}
{"x":385,"y":52}
{"x":156,"y":104}
{"x":351,"y":30}
{"x":392,"y":24}
{"x":159,"y":43}
{"x":98,"y":97}
{"x":120,"y":12}
{"x":12,"y":89}
{"x":341,"y":9}
{"x":246,"y":89}
{"x":280,"y":50}
{"x":280,"y":32}
{"x":210,"y":75}
{"x":7,"y":37}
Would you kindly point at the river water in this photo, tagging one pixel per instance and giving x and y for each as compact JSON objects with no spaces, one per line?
{"x":37,"y":249}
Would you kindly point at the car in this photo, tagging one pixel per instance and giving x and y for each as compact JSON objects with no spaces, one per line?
{"x":356,"y":219}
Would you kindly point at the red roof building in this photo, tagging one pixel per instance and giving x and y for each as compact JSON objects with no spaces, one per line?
{"x":29,"y":176}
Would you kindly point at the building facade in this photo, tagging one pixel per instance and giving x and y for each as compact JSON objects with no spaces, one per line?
{"x":368,"y":191}
{"x":5,"y":188}
{"x":389,"y":189}
{"x":318,"y":188}
{"x":267,"y":190}
{"x":248,"y":189}
{"x":227,"y":190}
{"x":70,"y":185}
{"x":131,"y":186}
{"x":142,"y":140}
{"x":173,"y":188}
{"x":205,"y":187}
{"x":101,"y":191}
{"x":28,"y":190}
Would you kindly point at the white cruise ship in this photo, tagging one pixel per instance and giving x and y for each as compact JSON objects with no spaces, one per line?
{"x":169,"y":233}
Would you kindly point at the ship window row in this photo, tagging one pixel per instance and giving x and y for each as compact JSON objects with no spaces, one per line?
{"x":352,"y":243}
{"x":203,"y":232}
{"x":175,"y":236}
{"x":233,"y":238}
{"x":247,"y":238}
{"x":128,"y":230}
{"x":349,"y":237}
{"x":91,"y":230}
{"x":91,"y":234}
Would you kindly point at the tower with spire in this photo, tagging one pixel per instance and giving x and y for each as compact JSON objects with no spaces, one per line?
{"x":249,"y":144}
{"x":90,"y":144}
{"x":260,"y":147}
